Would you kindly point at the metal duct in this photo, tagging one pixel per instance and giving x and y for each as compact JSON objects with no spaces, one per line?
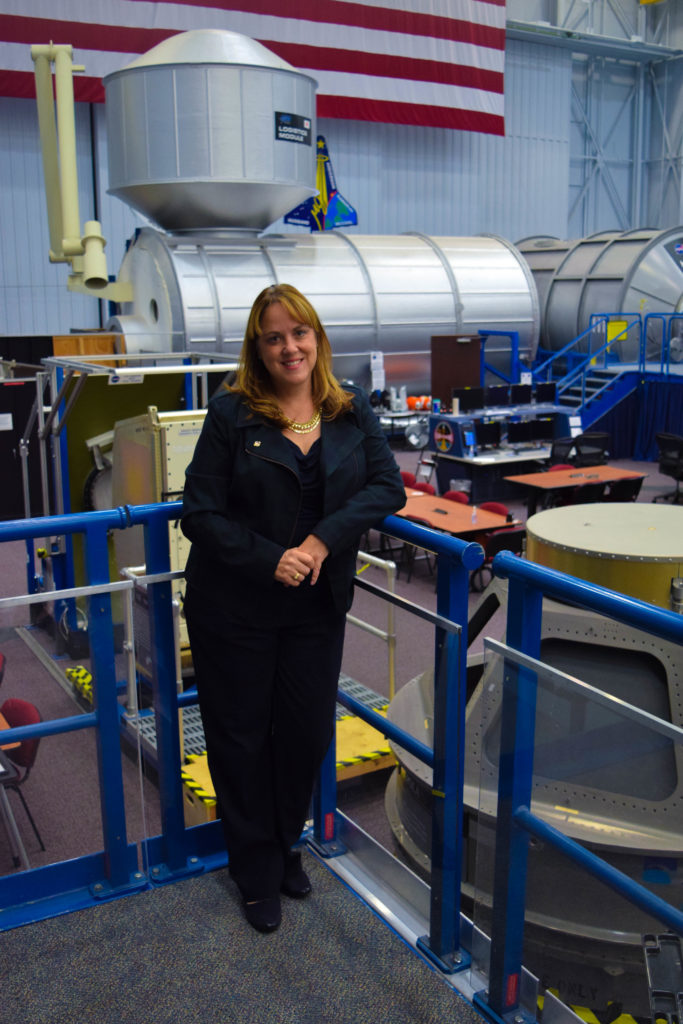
{"x":381,"y":293}
{"x":638,"y":271}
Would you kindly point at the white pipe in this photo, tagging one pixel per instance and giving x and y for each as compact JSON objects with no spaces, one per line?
{"x":66,"y":132}
{"x":47,"y":126}
{"x":85,"y":254}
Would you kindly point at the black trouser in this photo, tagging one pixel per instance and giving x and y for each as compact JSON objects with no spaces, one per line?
{"x":267,"y":694}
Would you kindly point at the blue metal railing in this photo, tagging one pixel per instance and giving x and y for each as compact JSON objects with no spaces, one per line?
{"x":579,"y":365}
{"x":178,"y":851}
{"x":456,"y":559}
{"x":515,"y":363}
{"x":527,"y":585}
{"x":666,"y":322}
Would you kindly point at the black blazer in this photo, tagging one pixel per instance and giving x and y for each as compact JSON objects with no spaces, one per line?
{"x":242,"y":499}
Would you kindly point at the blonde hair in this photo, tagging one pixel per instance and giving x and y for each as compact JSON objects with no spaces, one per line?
{"x":253,"y":380}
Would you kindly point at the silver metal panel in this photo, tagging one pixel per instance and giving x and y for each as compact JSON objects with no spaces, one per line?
{"x":372,"y":293}
{"x":611,"y":272}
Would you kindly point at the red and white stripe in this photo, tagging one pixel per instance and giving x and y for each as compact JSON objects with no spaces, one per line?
{"x":418,"y":62}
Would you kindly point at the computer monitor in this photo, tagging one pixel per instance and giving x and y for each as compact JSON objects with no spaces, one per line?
{"x":487,"y":433}
{"x":543,"y":428}
{"x":497,"y":395}
{"x":546,"y":391}
{"x":469,"y":398}
{"x":520,"y":394}
{"x":519,"y":431}
{"x":468,"y":436}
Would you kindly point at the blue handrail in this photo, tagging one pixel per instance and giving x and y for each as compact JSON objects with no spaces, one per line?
{"x":528,"y":583}
{"x":582,"y":367}
{"x":456,"y":559}
{"x":179,"y":851}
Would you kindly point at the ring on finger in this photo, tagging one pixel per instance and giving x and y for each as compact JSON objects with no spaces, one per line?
{"x":297,"y":575}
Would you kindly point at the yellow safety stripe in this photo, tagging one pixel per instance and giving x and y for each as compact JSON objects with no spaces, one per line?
{"x":81,"y":679}
{"x":589,"y":1016}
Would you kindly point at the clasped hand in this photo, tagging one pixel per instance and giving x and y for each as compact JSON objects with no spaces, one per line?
{"x":298,"y":563}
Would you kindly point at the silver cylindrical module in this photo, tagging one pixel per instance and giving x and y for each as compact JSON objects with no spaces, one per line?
{"x":210,"y":130}
{"x":629,"y":272}
{"x":373,"y":293}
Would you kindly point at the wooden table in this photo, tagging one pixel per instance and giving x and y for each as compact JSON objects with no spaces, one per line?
{"x":566,"y":479}
{"x":450,"y":516}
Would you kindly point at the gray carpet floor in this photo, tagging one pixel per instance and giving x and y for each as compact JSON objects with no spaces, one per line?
{"x":183,"y":953}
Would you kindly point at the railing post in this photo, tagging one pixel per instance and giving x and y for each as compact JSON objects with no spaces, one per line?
{"x":515,"y":777}
{"x":450,"y":674}
{"x":324,"y":838}
{"x":101,"y":633}
{"x":166,"y":711}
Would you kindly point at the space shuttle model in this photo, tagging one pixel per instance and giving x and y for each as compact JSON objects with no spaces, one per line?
{"x":328,"y":209}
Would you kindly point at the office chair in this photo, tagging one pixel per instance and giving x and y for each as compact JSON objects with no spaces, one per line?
{"x":408,"y":478}
{"x":495,"y":506}
{"x":587,"y":493}
{"x":624,"y":490}
{"x":510,"y":538}
{"x":591,"y":449}
{"x":559,"y":466}
{"x":670,"y":464}
{"x":409,"y":551}
{"x":21,"y":712}
{"x":426,"y":465}
{"x":421,"y":485}
{"x":460,"y":496}
{"x":561,"y":449}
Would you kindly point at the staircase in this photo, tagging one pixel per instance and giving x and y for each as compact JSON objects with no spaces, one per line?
{"x":595,"y":393}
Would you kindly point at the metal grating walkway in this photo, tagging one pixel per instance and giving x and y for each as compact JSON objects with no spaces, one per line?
{"x":193,"y":731}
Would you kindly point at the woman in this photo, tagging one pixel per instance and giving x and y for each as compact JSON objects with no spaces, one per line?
{"x":288,"y":473}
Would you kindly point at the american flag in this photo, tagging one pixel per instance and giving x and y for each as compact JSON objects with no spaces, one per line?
{"x":437,"y":63}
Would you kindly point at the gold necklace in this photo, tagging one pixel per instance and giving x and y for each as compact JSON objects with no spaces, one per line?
{"x":303,"y":428}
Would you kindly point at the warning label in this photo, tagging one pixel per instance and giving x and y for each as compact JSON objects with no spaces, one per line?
{"x":292,"y":128}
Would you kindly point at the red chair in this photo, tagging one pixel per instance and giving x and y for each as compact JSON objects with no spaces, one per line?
{"x":408,"y":478}
{"x":559,"y":466}
{"x":460,"y":496}
{"x":21,"y":712}
{"x":495,"y":506}
{"x":510,"y":538}
{"x":420,"y":485}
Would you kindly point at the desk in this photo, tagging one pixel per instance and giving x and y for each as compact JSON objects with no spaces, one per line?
{"x":450,"y":516}
{"x":566,"y":479}
{"x":486,"y":471}
{"x":8,"y":774}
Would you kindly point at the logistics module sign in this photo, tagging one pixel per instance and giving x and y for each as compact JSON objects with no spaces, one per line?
{"x":292,"y":128}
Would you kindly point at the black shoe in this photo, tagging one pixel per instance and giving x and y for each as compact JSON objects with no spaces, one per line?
{"x":296,"y":882}
{"x":263,"y":915}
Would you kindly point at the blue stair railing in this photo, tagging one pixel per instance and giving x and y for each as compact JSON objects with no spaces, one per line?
{"x":579,"y":366}
{"x":662,"y":325}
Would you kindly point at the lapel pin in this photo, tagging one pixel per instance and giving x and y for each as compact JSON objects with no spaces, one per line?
{"x":257,"y":444}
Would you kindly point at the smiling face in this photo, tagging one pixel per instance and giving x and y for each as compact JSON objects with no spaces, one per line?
{"x":287,"y":348}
